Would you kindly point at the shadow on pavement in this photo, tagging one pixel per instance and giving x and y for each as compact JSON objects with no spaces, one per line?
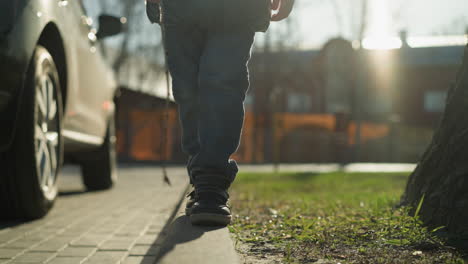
{"x":179,"y":232}
{"x":4,"y":224}
{"x":71,"y":192}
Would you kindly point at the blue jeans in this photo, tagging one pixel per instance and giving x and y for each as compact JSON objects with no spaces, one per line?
{"x":207,"y":51}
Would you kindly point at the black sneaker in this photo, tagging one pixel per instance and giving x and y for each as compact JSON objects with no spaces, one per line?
{"x":210,"y":198}
{"x":210,"y":210}
{"x":192,"y":199}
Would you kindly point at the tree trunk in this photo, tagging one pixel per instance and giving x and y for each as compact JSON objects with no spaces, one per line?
{"x":441,"y":176}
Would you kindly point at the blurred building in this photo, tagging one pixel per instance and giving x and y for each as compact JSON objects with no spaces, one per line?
{"x":408,"y":87}
{"x":323,"y":105}
{"x":147,"y":122}
{"x":147,"y":130}
{"x":411,"y":83}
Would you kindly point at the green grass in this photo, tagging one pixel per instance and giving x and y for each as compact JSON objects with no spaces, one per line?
{"x":336,"y":217}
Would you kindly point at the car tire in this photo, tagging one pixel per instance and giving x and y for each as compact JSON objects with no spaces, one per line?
{"x":32,"y":163}
{"x":99,"y":167}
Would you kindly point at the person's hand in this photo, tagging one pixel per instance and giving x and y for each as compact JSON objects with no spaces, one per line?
{"x":152,"y":11}
{"x":281,"y":9}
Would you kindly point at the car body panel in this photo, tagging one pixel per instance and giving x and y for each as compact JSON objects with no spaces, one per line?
{"x":16,"y":49}
{"x":90,"y":96}
{"x":90,"y":83}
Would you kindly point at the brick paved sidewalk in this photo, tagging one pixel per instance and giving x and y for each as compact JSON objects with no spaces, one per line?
{"x":118,"y":226}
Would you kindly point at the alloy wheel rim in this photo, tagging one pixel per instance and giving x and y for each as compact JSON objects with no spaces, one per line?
{"x":46,"y":132}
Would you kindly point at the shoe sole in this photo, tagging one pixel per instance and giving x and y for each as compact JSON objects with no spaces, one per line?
{"x":207,"y":219}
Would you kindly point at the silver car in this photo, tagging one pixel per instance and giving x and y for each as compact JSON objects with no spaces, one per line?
{"x":56,"y":101}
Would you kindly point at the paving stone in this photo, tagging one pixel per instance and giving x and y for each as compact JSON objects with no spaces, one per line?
{"x":29,"y":237}
{"x":106,"y":228}
{"x":7,"y":253}
{"x":66,"y":260}
{"x":117,"y":245}
{"x":129,"y":232}
{"x":64,"y":238}
{"x":33,"y":257}
{"x":144,"y":250}
{"x":41,"y":235}
{"x":102,"y":232}
{"x":89,"y":241}
{"x":50,"y":246}
{"x":139,"y":260}
{"x":21,"y":243}
{"x":7,"y":237}
{"x":28,"y":226}
{"x":76,"y":252}
{"x":146,"y":240}
{"x":62,"y":224}
{"x":106,"y":257}
{"x":75,"y":231}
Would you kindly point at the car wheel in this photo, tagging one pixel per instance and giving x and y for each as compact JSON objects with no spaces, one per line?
{"x":29,"y":187}
{"x":99,"y":167}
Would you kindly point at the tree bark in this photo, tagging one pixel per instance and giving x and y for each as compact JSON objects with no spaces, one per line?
{"x":441,"y":176}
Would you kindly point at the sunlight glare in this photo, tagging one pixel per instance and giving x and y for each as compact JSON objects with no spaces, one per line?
{"x":380,"y":33}
{"x":437,"y":41}
{"x":382,"y":43}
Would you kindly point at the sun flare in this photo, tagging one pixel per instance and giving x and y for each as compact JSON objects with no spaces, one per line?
{"x":380,"y":35}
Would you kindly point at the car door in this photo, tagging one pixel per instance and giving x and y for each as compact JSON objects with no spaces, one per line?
{"x":92,"y":101}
